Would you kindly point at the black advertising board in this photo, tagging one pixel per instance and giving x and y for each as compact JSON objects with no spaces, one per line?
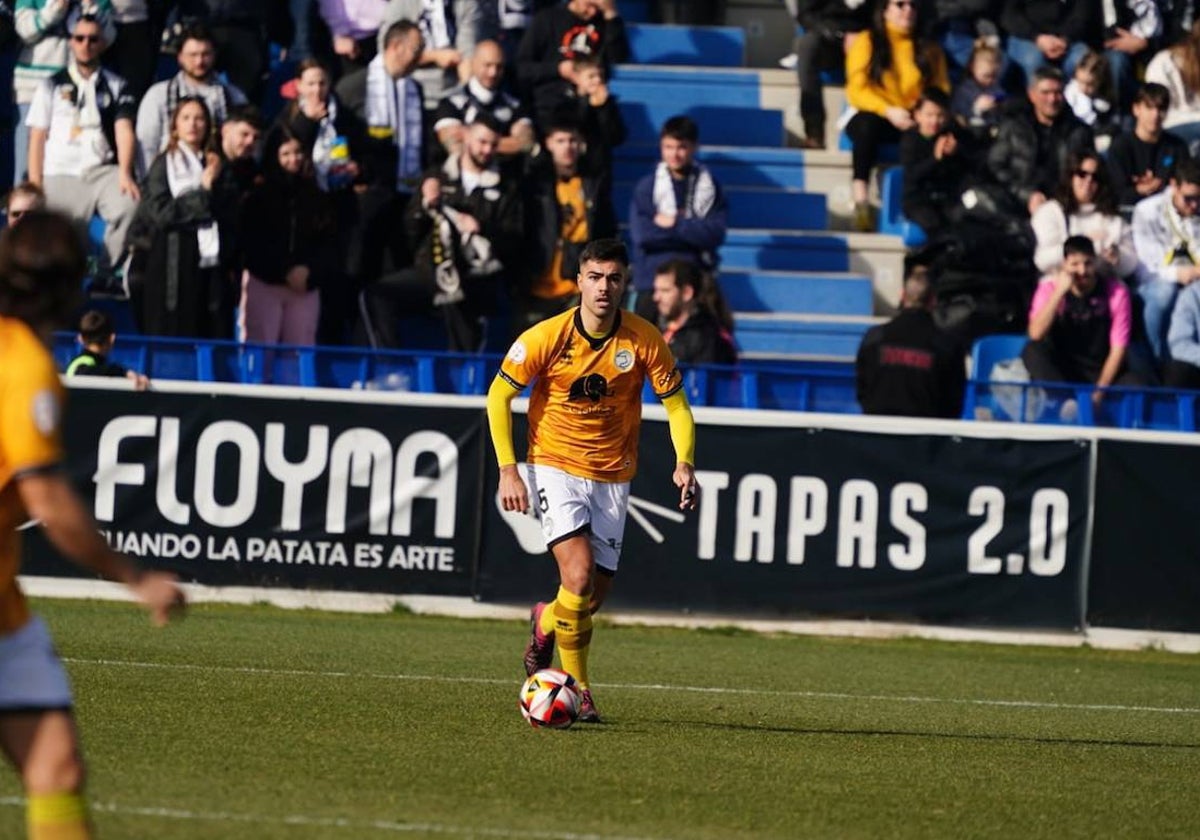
{"x":1145,"y":570}
{"x":232,"y":489}
{"x":801,"y":521}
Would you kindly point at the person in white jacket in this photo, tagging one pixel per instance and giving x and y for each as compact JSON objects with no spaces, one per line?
{"x":1177,"y":68}
{"x":450,"y":29}
{"x":1084,"y":205}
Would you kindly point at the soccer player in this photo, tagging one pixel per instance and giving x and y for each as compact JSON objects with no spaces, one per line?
{"x":585,"y":410}
{"x":42,"y":265}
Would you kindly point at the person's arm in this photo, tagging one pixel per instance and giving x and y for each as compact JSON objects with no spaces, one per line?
{"x":127,"y":158}
{"x":49,"y":498}
{"x":520,"y":139}
{"x":682,"y":427}
{"x":31,"y":23}
{"x":148,"y":128}
{"x":537,"y":56}
{"x":514,"y":495}
{"x":1049,"y":225}
{"x":615,"y":47}
{"x":1044,"y":308}
{"x":705,"y":233}
{"x":37,"y":155}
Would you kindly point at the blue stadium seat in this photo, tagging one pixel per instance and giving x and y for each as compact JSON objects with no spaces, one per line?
{"x":891,"y":217}
{"x":719,"y":125}
{"x":787,"y":291}
{"x":1035,"y":402}
{"x":708,"y":46}
{"x":763,"y":209}
{"x":655,"y":83}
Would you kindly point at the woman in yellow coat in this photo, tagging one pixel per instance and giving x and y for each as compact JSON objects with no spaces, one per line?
{"x":887,"y":68}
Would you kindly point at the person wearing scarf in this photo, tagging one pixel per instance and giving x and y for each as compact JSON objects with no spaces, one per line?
{"x":450,"y":30}
{"x":82,"y":147}
{"x":179,"y":286}
{"x":385,"y":99}
{"x":677,"y":212}
{"x":1166,"y":238}
{"x":467,"y":219}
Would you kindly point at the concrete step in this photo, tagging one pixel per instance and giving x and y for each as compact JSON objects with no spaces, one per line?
{"x":812,"y":293}
{"x":753,"y":207}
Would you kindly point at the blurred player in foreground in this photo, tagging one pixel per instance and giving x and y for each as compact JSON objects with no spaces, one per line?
{"x":41,"y":271}
{"x":585,"y":410}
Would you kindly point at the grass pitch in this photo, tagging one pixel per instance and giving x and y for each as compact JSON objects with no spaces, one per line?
{"x":263,"y":723}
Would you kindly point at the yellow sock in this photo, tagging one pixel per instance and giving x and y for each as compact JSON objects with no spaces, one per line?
{"x":57,"y":816}
{"x":573,"y":632}
{"x":546,"y":622}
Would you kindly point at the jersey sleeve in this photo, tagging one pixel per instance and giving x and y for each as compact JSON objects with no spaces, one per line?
{"x":31,"y":399}
{"x":661,"y":370}
{"x":527,"y":357}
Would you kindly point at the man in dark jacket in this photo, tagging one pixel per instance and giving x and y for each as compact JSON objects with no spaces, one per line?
{"x":555,"y":38}
{"x":690,"y":315}
{"x":909,"y":366}
{"x":1034,"y":140}
{"x":466,"y":221}
{"x":569,"y":202}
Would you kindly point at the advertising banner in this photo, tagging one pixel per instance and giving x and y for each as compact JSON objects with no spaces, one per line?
{"x":1145,"y":570}
{"x":228,"y":489}
{"x":797,"y":521}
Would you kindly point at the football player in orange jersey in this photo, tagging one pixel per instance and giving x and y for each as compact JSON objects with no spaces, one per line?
{"x":41,"y":271}
{"x":587,"y":367}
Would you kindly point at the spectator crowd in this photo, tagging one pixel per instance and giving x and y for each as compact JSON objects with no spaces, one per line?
{"x":1049,"y":156}
{"x":432,"y":164}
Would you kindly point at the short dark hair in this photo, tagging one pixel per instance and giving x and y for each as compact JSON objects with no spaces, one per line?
{"x":245,"y":113}
{"x":937,"y":96}
{"x":193,"y":31}
{"x":563,"y":119}
{"x":487,"y":119}
{"x":42,"y":265}
{"x":398,"y":30}
{"x":1047,"y":73}
{"x":95,"y":327}
{"x":1079,"y":245}
{"x":604,"y":250}
{"x":681,"y":127}
{"x":684,"y":273}
{"x":1187,"y":171}
{"x":1154,"y":94}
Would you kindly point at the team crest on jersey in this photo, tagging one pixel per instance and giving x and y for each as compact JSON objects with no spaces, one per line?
{"x":591,"y":387}
{"x":517,"y":352}
{"x":623,"y":360}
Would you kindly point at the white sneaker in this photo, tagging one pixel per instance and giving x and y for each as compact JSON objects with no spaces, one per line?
{"x":789,"y":61}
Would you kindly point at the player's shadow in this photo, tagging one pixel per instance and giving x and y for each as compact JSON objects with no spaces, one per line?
{"x":901,"y":733}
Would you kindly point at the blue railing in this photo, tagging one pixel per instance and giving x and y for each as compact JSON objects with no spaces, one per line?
{"x":814,"y":386}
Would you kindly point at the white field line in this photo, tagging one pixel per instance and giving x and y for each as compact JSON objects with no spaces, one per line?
{"x":303,"y":820}
{"x":692,"y":689}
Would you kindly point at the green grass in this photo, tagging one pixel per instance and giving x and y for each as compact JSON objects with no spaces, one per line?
{"x":263,"y":723}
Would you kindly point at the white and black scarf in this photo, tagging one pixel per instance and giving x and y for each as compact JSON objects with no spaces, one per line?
{"x":394,"y":106}
{"x":184,"y":168}
{"x":700,"y":192}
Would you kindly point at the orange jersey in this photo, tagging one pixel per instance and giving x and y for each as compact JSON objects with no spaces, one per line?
{"x":585,"y":409}
{"x":31,"y":399}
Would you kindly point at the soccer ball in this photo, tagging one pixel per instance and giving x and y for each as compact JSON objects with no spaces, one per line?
{"x":550,"y":698}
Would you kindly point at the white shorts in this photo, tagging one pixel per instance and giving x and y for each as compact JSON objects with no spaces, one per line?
{"x":567,"y":505}
{"x":31,"y":676}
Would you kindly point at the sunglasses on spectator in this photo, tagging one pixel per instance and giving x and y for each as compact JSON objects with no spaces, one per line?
{"x":90,"y":39}
{"x":1090,"y":174}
